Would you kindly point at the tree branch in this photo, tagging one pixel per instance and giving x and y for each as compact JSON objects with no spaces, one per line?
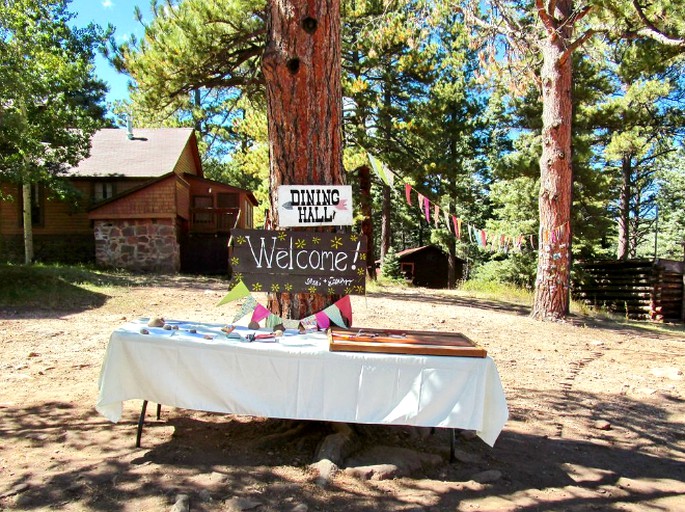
{"x":576,"y":44}
{"x":547,"y":20}
{"x":650,"y":30}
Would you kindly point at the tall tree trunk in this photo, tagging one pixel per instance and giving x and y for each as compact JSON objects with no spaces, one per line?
{"x":386,"y":211}
{"x":386,"y":205}
{"x":301,"y":67}
{"x":623,"y":251}
{"x":28,"y":223}
{"x":452,"y":251}
{"x":367,"y":218}
{"x":556,"y":175}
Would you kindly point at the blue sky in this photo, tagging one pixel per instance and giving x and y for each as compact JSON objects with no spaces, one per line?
{"x":119,"y":13}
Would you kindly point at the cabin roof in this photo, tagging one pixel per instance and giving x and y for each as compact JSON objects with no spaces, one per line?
{"x":150,"y":153}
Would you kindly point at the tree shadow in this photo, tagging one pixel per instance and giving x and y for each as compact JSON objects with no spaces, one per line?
{"x":81,"y":459}
{"x":55,"y":291}
{"x":425,"y":296}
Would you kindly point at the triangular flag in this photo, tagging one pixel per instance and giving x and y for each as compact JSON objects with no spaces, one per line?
{"x":322,"y":320}
{"x":447,"y":222}
{"x":345,"y":307}
{"x":457,"y":227}
{"x":247,"y":307}
{"x":407,"y":193}
{"x":333,"y":313}
{"x":238,"y":292}
{"x":309,"y":322}
{"x":436,"y":215}
{"x":289,"y":323}
{"x":381,"y":170}
{"x":272,"y":321}
{"x":426,"y":209}
{"x":260,"y":313}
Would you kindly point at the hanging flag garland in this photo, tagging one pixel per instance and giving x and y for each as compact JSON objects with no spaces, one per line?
{"x":494,"y":241}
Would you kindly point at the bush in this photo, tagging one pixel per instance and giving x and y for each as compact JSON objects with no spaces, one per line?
{"x":390,"y":268}
{"x":516,"y":269}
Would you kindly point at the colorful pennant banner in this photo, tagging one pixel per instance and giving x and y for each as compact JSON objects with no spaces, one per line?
{"x":338,"y":313}
{"x":482,"y":238}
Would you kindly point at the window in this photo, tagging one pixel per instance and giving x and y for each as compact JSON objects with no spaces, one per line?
{"x":200,"y":217}
{"x":102,"y":191}
{"x":227,"y":200}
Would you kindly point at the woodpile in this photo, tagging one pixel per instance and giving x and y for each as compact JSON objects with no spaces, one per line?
{"x":638,"y":289}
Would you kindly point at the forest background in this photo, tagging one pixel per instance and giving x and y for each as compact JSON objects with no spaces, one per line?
{"x":454,"y":112}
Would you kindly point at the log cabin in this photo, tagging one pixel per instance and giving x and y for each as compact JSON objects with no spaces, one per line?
{"x":144,"y":206}
{"x":428,"y":266}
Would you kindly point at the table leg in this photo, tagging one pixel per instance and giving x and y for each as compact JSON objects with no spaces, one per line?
{"x":453,"y":442}
{"x":141,"y":420}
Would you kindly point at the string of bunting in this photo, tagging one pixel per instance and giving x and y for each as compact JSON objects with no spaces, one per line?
{"x":484,"y":239}
{"x":338,"y":313}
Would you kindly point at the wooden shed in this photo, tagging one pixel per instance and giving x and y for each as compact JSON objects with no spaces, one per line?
{"x":427,"y":266}
{"x":639,"y":289}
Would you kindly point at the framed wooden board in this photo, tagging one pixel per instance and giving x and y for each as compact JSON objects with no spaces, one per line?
{"x":403,"y":342}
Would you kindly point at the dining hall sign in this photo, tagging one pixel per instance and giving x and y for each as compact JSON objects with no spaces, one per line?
{"x":299,"y":261}
{"x":314,"y":205}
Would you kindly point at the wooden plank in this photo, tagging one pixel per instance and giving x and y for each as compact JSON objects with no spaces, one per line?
{"x":403,"y":342}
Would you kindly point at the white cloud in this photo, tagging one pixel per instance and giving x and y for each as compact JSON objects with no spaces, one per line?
{"x":107,"y":4}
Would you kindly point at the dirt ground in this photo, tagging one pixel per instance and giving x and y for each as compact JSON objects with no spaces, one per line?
{"x":597,"y":418}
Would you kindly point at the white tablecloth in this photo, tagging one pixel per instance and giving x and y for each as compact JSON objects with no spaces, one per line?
{"x":298,"y":378}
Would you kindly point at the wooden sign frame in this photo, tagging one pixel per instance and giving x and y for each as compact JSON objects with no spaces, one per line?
{"x":403,"y":342}
{"x":299,"y":261}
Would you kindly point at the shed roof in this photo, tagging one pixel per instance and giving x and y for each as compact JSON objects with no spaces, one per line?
{"x":423,"y":248}
{"x":151,"y":153}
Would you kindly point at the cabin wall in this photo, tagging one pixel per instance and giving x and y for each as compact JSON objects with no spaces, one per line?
{"x":148,"y":245}
{"x":158,"y":199}
{"x":637,"y":289}
{"x":186,"y":163}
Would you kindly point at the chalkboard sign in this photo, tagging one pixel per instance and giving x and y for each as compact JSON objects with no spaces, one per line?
{"x":299,"y":261}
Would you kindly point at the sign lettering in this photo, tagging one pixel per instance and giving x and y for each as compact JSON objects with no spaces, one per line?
{"x":314,"y":205}
{"x":299,"y":261}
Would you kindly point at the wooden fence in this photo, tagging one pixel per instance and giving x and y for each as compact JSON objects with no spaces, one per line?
{"x":638,"y":289}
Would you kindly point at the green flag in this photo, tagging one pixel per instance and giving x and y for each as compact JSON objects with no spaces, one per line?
{"x":238,"y":292}
{"x":248,"y":307}
{"x":381,"y":170}
{"x":333,"y":313}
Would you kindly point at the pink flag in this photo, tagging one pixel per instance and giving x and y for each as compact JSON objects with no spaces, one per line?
{"x":407,"y":193}
{"x":260,"y":313}
{"x":457,"y":227}
{"x":436,"y":215}
{"x":322,"y":320}
{"x":345,"y":307}
{"x":426,"y":209}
